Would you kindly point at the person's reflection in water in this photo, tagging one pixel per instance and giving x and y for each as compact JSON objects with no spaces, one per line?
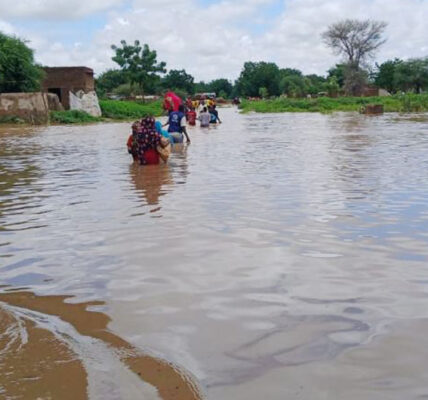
{"x":151,"y":181}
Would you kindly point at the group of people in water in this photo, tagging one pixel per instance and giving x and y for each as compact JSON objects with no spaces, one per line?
{"x":149,"y":143}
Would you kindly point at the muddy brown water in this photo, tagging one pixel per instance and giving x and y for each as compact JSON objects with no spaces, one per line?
{"x":278,"y":256}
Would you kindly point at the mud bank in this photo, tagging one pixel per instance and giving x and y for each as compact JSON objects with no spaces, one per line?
{"x":50,"y":348}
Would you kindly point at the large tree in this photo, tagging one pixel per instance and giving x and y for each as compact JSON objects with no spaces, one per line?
{"x":18,"y":70}
{"x":179,"y":79}
{"x":110,"y":80}
{"x":256,"y":75}
{"x":139,"y":63}
{"x":386,"y":74}
{"x":337,"y":72}
{"x":357,"y":41}
{"x":412,"y":75}
{"x":222,"y":87}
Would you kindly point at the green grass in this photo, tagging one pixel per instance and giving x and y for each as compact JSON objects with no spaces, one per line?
{"x":11,"y":119}
{"x":111,"y":109}
{"x":116,"y":109}
{"x":72,"y":117}
{"x":397,"y":103}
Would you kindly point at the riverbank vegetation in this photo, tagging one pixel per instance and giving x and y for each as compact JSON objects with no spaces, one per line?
{"x":111,"y":110}
{"x":125,"y":110}
{"x":72,"y":117}
{"x":279,"y":89}
{"x":396,"y":103}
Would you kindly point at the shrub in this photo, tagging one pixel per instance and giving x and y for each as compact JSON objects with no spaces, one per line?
{"x":72,"y":117}
{"x":129,"y":109}
{"x":397,"y":103}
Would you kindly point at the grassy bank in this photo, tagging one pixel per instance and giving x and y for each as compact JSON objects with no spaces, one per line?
{"x":111,"y":109}
{"x":127,"y":110}
{"x":397,"y":103}
{"x":11,"y":119}
{"x":72,"y":117}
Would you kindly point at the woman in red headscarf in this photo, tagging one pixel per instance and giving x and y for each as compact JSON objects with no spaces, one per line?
{"x":171,"y":101}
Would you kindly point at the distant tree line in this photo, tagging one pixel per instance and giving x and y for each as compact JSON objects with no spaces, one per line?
{"x":139,"y":71}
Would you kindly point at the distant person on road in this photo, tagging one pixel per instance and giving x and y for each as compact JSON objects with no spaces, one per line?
{"x":177,"y":125}
{"x":205,"y":118}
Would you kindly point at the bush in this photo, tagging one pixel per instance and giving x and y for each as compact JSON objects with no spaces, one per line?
{"x":11,"y":119}
{"x":72,"y":117}
{"x":129,"y":109}
{"x":18,"y":70}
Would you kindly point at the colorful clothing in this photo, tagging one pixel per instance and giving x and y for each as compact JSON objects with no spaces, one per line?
{"x":163,"y":132}
{"x":176,"y":122}
{"x":171,"y":102}
{"x":191,"y":117}
{"x":147,"y":139}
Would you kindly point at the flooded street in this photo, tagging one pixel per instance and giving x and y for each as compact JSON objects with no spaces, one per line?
{"x":278,"y":256}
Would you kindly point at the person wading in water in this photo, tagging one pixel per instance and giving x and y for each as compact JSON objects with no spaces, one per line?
{"x":177,"y":125}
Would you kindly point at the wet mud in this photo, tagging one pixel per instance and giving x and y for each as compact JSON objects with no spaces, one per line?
{"x":42,"y":357}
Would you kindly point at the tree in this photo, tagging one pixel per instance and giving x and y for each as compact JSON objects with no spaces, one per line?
{"x":222,"y":87}
{"x":412,"y":75}
{"x":263,"y":93}
{"x":315,"y":84}
{"x":202,"y":87}
{"x":293,"y":85}
{"x":18,"y":70}
{"x":256,"y":75}
{"x":110,"y":80}
{"x":385,"y":76}
{"x":355,"y":80}
{"x":337,"y":72}
{"x":290,"y":71}
{"x":356,"y":41}
{"x":179,"y":79}
{"x":140,"y":64}
{"x":332,"y":87}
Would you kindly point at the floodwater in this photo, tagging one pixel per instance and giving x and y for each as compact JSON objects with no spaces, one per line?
{"x":278,"y":256}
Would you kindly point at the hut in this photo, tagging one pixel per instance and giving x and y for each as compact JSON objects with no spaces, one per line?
{"x":74,"y":86}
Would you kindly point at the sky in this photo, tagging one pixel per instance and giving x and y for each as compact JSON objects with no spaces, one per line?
{"x":208,"y":38}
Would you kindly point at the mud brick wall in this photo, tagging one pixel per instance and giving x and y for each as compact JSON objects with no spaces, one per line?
{"x":30,"y":107}
{"x":63,"y":80}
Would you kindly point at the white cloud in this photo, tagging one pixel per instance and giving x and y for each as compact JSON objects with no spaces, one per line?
{"x":215,"y":41}
{"x":297,"y":33}
{"x":54,"y":9}
{"x":7,"y":28}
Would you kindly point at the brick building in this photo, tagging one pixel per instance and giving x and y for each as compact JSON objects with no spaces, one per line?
{"x":63,"y":80}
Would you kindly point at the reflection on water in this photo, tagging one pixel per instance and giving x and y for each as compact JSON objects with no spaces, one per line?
{"x":149,"y":181}
{"x":155,"y":181}
{"x":277,"y":256}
